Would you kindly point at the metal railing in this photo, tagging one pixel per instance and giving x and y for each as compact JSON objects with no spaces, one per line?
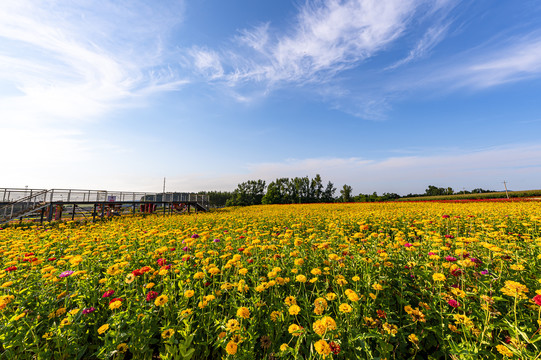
{"x":17,"y":202}
{"x":9,"y":195}
{"x":22,"y":205}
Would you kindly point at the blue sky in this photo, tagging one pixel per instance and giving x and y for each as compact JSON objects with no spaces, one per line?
{"x":386,"y":96}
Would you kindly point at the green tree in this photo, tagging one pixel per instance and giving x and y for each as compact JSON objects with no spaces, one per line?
{"x":247,"y":193}
{"x":328,"y":194}
{"x":345,"y":193}
{"x":316,"y":189}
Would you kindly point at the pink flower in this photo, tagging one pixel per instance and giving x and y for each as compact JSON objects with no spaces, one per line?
{"x":450,"y":258}
{"x":453,"y":303}
{"x":537,"y":299}
{"x":108,"y":293}
{"x":408,"y":245}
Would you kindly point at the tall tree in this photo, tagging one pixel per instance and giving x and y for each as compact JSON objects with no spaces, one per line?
{"x":345,"y":193}
{"x":316,"y":189}
{"x":328,"y":194}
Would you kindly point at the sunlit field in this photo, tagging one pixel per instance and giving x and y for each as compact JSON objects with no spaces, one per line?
{"x":333,"y":281}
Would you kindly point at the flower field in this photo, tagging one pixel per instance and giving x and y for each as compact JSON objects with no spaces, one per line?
{"x":334,"y":281}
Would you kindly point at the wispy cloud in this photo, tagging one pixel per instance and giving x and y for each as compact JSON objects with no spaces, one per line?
{"x":431,"y":38}
{"x":78,"y":61}
{"x":498,"y":61}
{"x":519,"y":59}
{"x":326,"y":38}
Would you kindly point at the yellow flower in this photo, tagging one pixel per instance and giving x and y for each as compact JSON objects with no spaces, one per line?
{"x":320,"y":303}
{"x":319,"y":327}
{"x":60,"y":312}
{"x":377,"y":287}
{"x":161,"y":300}
{"x":103,"y":328}
{"x":102,"y":281}
{"x":231,"y":348}
{"x":149,"y":285}
{"x":129,"y":278}
{"x":413,"y":338}
{"x":168,"y":333}
{"x":74,"y":311}
{"x":243,"y":312}
{"x":345,"y":308}
{"x":294,"y":310}
{"x":504,"y":350}
{"x":7,"y":284}
{"x":352,"y":295}
{"x":189,"y":293}
{"x":65,"y":322}
{"x":275,"y":315}
{"x":513,"y":288}
{"x":284,"y":347}
{"x":232,"y":325}
{"x":355,"y":278}
{"x":290,"y":300}
{"x":122,"y":348}
{"x":222,"y":335}
{"x":243,"y":271}
{"x":294,"y":329}
{"x":390,"y":329}
{"x":438,"y":277}
{"x":115,"y":305}
{"x":199,"y":275}
{"x":330,"y":296}
{"x":322,"y":348}
{"x":300,"y":278}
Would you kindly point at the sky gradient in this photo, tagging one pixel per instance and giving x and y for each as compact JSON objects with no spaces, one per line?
{"x":386,"y":96}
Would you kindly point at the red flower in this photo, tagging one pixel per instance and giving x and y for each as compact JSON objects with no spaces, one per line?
{"x":137,"y":272}
{"x":152,"y":295}
{"x":51,"y":259}
{"x":162,"y":261}
{"x":108,"y":293}
{"x":382,"y":314}
{"x":116,"y":299}
{"x":241,"y":249}
{"x":335,"y":348}
{"x":250,"y":261}
{"x":445,"y":216}
{"x":456,"y":272}
{"x":537,"y":299}
{"x":11,"y":268}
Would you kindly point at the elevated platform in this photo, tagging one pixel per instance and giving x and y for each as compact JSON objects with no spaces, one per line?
{"x":57,"y":204}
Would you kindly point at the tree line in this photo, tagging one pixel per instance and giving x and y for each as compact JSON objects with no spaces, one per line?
{"x":303,"y":190}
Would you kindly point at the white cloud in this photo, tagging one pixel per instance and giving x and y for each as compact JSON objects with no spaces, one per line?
{"x":519,"y":165}
{"x":496,"y":62}
{"x":327,"y":37}
{"x":71,"y":63}
{"x":519,"y":60}
{"x":433,"y":36}
{"x":207,"y":62}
